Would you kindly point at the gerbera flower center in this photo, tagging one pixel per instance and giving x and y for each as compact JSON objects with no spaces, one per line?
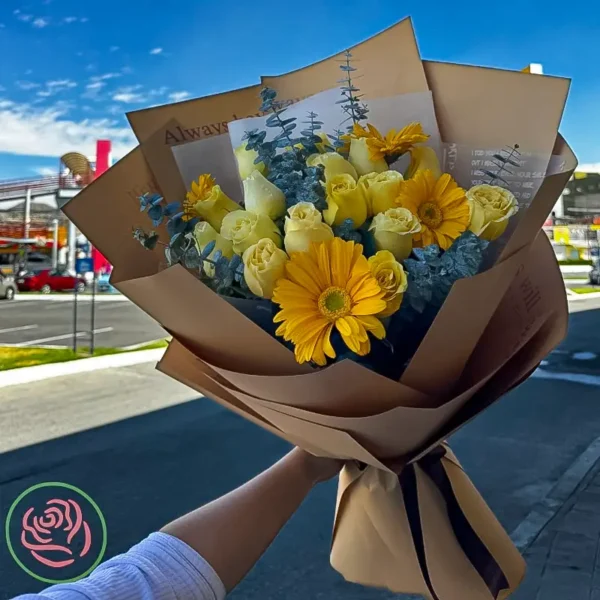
{"x":334,"y":303}
{"x":430,"y":214}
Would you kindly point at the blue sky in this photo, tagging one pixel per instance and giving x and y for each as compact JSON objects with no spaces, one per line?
{"x":70,"y":70}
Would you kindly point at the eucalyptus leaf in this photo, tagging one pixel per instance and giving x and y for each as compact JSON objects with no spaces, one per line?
{"x":208,"y":249}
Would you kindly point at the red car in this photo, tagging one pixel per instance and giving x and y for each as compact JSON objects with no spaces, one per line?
{"x":50,"y":281}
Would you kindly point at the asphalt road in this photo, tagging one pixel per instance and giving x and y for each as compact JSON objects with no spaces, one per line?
{"x":149,"y":468}
{"x":49,"y":321}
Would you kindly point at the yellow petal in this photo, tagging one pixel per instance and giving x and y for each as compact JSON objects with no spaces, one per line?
{"x":327,"y":347}
{"x":303,"y":278}
{"x":374,"y":325}
{"x":370,"y":306}
{"x":343,"y":326}
{"x":340,"y":262}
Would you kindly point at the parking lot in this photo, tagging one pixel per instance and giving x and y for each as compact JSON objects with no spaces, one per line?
{"x":49,"y":321}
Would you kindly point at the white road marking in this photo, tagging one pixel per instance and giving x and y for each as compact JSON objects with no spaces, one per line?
{"x":571,"y":377}
{"x":584,"y":355}
{"x":22,"y":328}
{"x":62,"y":337}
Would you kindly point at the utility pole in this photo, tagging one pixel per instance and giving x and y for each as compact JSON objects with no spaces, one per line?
{"x":27,"y":226}
{"x":72,"y":240}
{"x":55,"y":244}
{"x":27,"y":216}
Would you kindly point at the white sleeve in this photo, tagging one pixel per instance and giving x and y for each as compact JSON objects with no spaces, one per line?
{"x":161,"y":567}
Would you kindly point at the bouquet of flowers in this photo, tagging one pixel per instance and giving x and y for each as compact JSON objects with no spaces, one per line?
{"x":331,"y":238}
{"x":360,"y":273}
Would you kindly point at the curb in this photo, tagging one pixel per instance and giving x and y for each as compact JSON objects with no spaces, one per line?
{"x":548,"y":507}
{"x":69,"y":298}
{"x":82,"y":365}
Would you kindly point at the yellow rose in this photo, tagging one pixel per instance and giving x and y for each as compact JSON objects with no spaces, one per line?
{"x":382,"y":190}
{"x":303,"y":227}
{"x":204,"y":233}
{"x":334,"y":164}
{"x":391,"y":278}
{"x":361,"y":160}
{"x":244,"y":229}
{"x":245,"y":160}
{"x":263,"y":197}
{"x":393,"y":230}
{"x":423,"y":158}
{"x":211,"y":203}
{"x":345,"y":200}
{"x":302,"y":212}
{"x":264,"y":264}
{"x":491,"y":207}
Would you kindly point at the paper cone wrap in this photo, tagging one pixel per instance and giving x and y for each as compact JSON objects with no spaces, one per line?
{"x":408,"y":518}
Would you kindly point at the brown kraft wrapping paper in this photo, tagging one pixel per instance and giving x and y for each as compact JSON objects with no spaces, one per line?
{"x":365,"y":417}
{"x":372,"y":542}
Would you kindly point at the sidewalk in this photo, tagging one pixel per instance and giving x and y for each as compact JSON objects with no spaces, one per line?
{"x":563,"y":561}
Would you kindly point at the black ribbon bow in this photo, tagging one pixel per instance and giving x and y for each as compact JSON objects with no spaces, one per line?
{"x":475,"y":550}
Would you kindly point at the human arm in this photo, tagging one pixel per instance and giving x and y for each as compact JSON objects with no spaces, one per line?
{"x":205,"y":553}
{"x":232,"y":532}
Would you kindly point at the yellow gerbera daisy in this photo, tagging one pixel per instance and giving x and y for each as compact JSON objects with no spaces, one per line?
{"x":198,"y":192}
{"x":329,"y":286}
{"x":394,"y":143}
{"x":439,"y":204}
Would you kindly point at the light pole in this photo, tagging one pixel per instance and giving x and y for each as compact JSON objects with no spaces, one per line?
{"x":55,"y":244}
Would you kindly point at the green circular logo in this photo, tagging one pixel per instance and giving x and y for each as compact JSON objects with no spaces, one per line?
{"x":55,"y":532}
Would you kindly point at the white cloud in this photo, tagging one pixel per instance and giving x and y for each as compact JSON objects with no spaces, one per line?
{"x":60,"y":84}
{"x":161,"y":91}
{"x":27,"y":85}
{"x":105,"y":76}
{"x":589,"y":168}
{"x":24,"y":18}
{"x":45,"y":171}
{"x":28,"y":72}
{"x":156,"y":51}
{"x":114,"y":48}
{"x":128,"y":97}
{"x":49,"y":132}
{"x":69,"y":19}
{"x":179,"y":96}
{"x":129,"y":94}
{"x":44,"y":93}
{"x":92,"y":90}
{"x":40,"y":23}
{"x":83,"y":20}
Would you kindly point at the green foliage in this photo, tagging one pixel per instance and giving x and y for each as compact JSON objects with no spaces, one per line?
{"x":288,"y":170}
{"x":148,"y":240}
{"x":574,"y":262}
{"x":348,"y":232}
{"x":355,"y":111}
{"x":431,"y":273}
